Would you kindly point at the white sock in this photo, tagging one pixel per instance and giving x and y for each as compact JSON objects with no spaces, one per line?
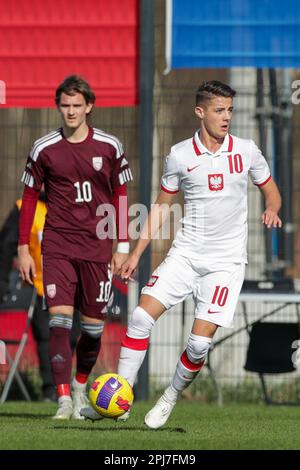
{"x":191,"y":361}
{"x":170,"y":394}
{"x":129,"y":363}
{"x":186,"y":371}
{"x":78,"y":386}
{"x":182,"y":377}
{"x":135,"y":345}
{"x":64,"y":399}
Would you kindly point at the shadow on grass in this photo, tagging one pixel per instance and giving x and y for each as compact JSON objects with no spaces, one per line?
{"x":7,"y":414}
{"x":121,"y":428}
{"x":90,"y":427}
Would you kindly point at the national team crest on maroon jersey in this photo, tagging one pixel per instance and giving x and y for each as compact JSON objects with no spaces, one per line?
{"x":97,"y":163}
{"x":51,"y":290}
{"x":216,"y":182}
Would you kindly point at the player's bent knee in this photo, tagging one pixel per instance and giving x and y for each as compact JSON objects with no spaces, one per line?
{"x":140,"y":324}
{"x":94,"y":330}
{"x":197,"y":347}
{"x":61,"y":309}
{"x":152,"y":306}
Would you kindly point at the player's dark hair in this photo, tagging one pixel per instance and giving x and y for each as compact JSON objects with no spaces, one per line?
{"x":207,"y":90}
{"x":75,"y":84}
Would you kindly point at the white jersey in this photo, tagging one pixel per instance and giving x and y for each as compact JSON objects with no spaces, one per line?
{"x":214,"y":225}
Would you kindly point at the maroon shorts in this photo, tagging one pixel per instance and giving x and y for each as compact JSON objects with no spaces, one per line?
{"x":84,"y":284}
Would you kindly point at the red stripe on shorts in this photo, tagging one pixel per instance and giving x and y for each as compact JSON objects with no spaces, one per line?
{"x":190,"y":365}
{"x":135,"y":343}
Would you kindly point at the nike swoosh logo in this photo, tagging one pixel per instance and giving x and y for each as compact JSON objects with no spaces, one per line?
{"x":209,"y":311}
{"x":189,"y":169}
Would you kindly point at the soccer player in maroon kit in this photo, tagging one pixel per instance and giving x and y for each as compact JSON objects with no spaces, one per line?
{"x":83,"y":170}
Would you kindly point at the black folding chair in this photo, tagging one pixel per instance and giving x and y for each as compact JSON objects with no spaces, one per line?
{"x":13,"y":305}
{"x":271,"y":351}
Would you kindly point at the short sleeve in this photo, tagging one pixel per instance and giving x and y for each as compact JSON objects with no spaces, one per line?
{"x":34,"y":173}
{"x":170,"y":180}
{"x":259,"y":169}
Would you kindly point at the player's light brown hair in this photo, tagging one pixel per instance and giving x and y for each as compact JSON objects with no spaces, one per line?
{"x":75,"y":84}
{"x":207,"y":90}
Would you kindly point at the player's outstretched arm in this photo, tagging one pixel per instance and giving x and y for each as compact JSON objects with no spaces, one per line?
{"x":272,"y":203}
{"x":156,"y":218}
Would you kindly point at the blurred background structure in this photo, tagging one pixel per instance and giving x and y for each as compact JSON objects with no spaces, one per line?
{"x":145,"y":60}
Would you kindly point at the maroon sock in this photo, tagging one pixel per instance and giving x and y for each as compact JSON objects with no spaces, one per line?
{"x":60,"y":355}
{"x":87,"y":352}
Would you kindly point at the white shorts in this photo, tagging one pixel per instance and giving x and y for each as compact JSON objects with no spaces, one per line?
{"x":215,"y":286}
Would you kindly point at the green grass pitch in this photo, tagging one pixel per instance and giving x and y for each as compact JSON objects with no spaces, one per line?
{"x":192,"y":425}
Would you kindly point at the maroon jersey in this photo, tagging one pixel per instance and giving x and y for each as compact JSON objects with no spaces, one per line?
{"x":78,"y":178}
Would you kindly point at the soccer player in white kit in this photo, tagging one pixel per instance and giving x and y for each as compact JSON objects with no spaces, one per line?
{"x":208,"y":256}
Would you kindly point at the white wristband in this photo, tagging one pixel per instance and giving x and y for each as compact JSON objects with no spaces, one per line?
{"x":123,"y":247}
